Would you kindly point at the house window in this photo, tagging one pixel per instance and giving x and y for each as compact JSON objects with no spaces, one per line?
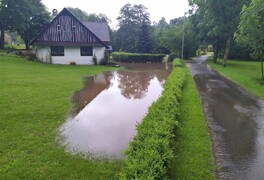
{"x":57,"y":50}
{"x":86,"y":51}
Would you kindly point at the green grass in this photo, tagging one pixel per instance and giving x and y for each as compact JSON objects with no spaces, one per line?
{"x":193,"y":150}
{"x":34,"y":100}
{"x":244,"y":73}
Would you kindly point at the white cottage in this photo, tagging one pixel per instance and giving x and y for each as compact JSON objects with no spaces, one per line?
{"x":67,"y":40}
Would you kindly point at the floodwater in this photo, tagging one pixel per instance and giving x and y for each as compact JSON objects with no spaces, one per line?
{"x":107,"y":109}
{"x":236,"y":123}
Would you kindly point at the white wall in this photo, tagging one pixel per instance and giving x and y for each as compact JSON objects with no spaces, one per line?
{"x":71,"y":54}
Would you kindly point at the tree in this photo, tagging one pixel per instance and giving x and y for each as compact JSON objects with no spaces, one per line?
{"x":133,"y":33}
{"x":172,"y":37}
{"x":85,"y":17}
{"x":250,"y":30}
{"x":12,"y":13}
{"x":26,"y":17}
{"x":38,"y":18}
{"x":220,"y":19}
{"x":144,"y":42}
{"x":157,"y":31}
{"x":205,"y":30}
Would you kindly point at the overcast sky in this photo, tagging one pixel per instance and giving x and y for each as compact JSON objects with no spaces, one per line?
{"x":168,"y":9}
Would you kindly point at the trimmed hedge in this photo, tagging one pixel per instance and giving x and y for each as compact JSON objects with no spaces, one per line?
{"x":137,"y":57}
{"x":150,"y":152}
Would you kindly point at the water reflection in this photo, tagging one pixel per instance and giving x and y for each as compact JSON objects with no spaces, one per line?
{"x":134,"y":85}
{"x":93,"y":86}
{"x":108,"y":108}
{"x":235,"y":119}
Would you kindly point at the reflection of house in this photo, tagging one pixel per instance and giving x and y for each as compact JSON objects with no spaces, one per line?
{"x":93,"y":87}
{"x":67,"y":40}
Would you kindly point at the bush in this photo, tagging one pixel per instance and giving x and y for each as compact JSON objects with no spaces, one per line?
{"x":177,"y":64}
{"x":150,"y":152}
{"x":260,"y":81}
{"x":137,"y":57}
{"x":32,"y":57}
{"x":95,"y":60}
{"x":172,"y":56}
{"x":105,"y":60}
{"x":200,"y":52}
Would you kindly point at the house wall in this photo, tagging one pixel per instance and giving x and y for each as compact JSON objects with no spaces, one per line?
{"x":71,"y":54}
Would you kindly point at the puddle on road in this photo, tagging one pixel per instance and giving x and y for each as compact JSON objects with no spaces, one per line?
{"x":107,"y":109}
{"x":236,"y":121}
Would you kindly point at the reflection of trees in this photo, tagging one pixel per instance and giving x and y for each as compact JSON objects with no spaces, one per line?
{"x":162,"y":76}
{"x":134,"y":84}
{"x":93,"y":86}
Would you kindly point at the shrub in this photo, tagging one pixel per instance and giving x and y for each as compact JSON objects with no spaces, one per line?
{"x":105,"y":60}
{"x":32,"y":57}
{"x":72,"y":63}
{"x":172,"y":56}
{"x":177,"y":64}
{"x":137,"y":57}
{"x":150,"y":151}
{"x":95,"y":59}
{"x":260,"y":81}
{"x":200,"y":52}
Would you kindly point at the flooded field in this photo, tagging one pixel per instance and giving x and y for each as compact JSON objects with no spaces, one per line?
{"x":105,"y":112}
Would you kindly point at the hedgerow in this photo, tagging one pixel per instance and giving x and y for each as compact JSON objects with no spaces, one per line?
{"x":150,"y":151}
{"x":137,"y":57}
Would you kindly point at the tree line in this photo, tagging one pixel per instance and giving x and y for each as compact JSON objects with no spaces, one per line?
{"x":135,"y":32}
{"x":232,"y":27}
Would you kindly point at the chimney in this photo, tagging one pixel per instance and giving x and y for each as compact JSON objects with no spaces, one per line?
{"x":54,"y":13}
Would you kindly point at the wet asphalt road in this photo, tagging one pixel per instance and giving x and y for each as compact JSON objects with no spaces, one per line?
{"x":236,"y":123}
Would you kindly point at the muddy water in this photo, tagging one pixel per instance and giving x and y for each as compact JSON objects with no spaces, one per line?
{"x":107,"y":109}
{"x":236,"y":122}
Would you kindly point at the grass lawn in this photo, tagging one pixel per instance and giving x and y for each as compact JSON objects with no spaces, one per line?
{"x":34,"y":100}
{"x":193,"y":153}
{"x":243,"y":73}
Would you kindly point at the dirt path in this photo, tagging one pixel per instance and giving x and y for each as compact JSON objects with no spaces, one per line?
{"x":236,"y":122}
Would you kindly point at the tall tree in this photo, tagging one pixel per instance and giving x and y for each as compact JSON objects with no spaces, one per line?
{"x":38,"y":18}
{"x":12,"y":15}
{"x":27,"y":17}
{"x":250,"y":30}
{"x":219,"y":20}
{"x":144,"y":42}
{"x":172,"y":37}
{"x":134,"y":26}
{"x":157,"y":32}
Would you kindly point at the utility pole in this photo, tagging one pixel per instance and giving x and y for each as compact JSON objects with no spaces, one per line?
{"x":183,"y":29}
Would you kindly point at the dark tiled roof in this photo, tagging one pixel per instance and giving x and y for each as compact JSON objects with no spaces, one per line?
{"x":100,"y":29}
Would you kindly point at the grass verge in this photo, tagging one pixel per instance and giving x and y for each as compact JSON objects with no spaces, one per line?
{"x":34,"y":99}
{"x":193,"y":151}
{"x":244,"y":73}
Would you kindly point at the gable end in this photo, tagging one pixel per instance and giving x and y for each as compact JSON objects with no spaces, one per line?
{"x":66,"y":29}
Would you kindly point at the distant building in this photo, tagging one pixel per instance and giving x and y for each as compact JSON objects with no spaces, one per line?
{"x":67,"y":40}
